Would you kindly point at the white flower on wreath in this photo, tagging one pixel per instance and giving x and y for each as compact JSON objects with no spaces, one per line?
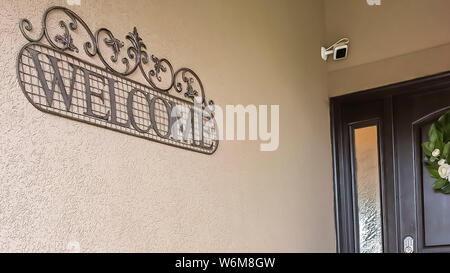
{"x":436,"y":153}
{"x":444,"y":171}
{"x":441,"y":162}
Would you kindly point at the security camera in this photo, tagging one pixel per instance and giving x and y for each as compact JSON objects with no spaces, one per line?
{"x":338,"y":49}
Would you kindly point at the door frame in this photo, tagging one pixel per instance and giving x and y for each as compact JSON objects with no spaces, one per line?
{"x":343,"y":175}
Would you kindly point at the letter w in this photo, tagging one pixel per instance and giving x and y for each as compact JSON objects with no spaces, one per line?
{"x":57,"y":79}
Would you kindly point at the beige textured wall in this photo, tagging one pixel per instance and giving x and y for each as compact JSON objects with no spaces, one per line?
{"x":396,"y":41}
{"x":63,"y":181}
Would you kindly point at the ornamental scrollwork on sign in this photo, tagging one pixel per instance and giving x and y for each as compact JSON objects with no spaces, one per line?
{"x":115,"y":44}
{"x":66,"y":39}
{"x":50,"y":76}
{"x":158,"y":68}
{"x":136,"y":54}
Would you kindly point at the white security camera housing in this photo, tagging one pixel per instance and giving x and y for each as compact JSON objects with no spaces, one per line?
{"x":339,"y":50}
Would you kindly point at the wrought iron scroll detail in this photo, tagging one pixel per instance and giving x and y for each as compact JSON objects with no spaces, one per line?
{"x":52,"y":47}
{"x":136,"y":57}
{"x":115,"y":44}
{"x":66,"y":39}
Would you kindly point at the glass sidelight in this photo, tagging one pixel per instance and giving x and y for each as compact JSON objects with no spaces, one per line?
{"x":366,"y":189}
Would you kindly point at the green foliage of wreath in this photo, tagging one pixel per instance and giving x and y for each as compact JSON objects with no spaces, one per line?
{"x":437,"y":153}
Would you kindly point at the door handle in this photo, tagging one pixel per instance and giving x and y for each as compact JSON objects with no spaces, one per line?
{"x":408,"y":244}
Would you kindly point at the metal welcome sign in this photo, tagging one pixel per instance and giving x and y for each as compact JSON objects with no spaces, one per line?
{"x":56,"y":81}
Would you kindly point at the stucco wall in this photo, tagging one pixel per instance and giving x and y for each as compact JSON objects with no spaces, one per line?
{"x":64,"y":181}
{"x":396,"y":41}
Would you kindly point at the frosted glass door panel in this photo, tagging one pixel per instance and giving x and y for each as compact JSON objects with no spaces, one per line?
{"x":367,"y":185}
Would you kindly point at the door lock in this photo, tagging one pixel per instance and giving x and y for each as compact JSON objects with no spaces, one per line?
{"x":408,"y":244}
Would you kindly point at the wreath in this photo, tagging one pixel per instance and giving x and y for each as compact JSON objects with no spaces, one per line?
{"x":437,"y":153}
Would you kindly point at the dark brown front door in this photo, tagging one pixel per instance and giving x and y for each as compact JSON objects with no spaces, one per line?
{"x":414,"y":218}
{"x":423,"y":213}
